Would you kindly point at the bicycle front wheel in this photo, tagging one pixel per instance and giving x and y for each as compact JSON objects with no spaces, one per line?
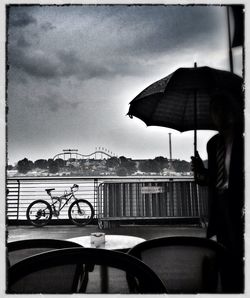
{"x":81,"y":212}
{"x":39,"y":213}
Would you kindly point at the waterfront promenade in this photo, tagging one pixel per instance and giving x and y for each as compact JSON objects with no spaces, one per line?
{"x":176,"y":206}
{"x":68,"y":231}
{"x":122,"y":198}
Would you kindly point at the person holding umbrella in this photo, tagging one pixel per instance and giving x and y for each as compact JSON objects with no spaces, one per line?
{"x":225,"y":179}
{"x":207,"y":98}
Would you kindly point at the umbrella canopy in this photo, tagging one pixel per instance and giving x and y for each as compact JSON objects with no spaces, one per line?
{"x":181,"y":100}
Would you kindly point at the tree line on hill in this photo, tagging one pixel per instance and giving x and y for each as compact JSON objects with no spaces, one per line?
{"x":121,"y":166}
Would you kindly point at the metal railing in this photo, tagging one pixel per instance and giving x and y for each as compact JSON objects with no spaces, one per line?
{"x":114,"y":197}
{"x":24,"y":190}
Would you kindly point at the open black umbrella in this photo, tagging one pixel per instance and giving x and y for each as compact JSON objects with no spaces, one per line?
{"x":181,"y":100}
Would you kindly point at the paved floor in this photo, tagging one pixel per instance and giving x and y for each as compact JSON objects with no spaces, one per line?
{"x":69,"y":231}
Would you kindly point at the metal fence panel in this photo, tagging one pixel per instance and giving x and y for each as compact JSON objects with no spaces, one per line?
{"x":123,"y":200}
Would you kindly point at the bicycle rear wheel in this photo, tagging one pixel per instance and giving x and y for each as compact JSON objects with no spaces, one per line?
{"x":39,"y":213}
{"x":81,"y":212}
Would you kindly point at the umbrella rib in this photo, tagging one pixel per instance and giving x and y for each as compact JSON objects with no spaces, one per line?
{"x":155,"y":106}
{"x":184,"y":112}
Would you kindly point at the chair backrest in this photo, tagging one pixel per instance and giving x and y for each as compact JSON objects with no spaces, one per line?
{"x":21,"y":249}
{"x":61,"y":271}
{"x":184,"y":264}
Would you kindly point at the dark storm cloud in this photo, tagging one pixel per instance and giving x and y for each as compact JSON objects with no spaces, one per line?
{"x":22,"y":42}
{"x":63,"y":64}
{"x":39,"y":66}
{"x":35,"y":64}
{"x":124,"y":33}
{"x":21,"y":19}
{"x":71,"y":64}
{"x":50,"y":101}
{"x":184,"y":27}
{"x":158,"y":28}
{"x":54,"y":102}
{"x":47,"y":26}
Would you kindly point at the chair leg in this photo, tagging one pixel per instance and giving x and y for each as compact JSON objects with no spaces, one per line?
{"x":84,"y":282}
{"x":85,"y":277}
{"x":209,"y":275}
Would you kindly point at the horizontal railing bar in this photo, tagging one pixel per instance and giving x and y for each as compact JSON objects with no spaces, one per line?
{"x":106,"y":178}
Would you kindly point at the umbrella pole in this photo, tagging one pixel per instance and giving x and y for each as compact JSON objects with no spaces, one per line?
{"x":195,"y":121}
{"x":195,"y":127}
{"x":196,"y":199}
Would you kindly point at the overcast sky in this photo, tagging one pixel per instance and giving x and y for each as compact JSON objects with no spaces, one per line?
{"x":74,"y":69}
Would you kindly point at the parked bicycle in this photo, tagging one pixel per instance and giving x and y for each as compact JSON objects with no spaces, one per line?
{"x":80,"y":212}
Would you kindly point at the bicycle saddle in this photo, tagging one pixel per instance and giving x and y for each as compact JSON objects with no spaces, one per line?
{"x":49,"y":189}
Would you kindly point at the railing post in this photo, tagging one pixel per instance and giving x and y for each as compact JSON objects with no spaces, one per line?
{"x":96,"y":196}
{"x":198,"y":199}
{"x":18,"y":197}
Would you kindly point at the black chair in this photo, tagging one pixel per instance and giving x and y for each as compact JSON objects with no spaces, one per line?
{"x":185,"y":264}
{"x":60,"y":272}
{"x":21,"y":249}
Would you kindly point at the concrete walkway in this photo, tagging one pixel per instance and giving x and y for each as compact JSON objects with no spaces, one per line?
{"x":70,"y":231}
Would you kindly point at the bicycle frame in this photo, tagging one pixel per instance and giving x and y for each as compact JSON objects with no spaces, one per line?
{"x":55,"y":200}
